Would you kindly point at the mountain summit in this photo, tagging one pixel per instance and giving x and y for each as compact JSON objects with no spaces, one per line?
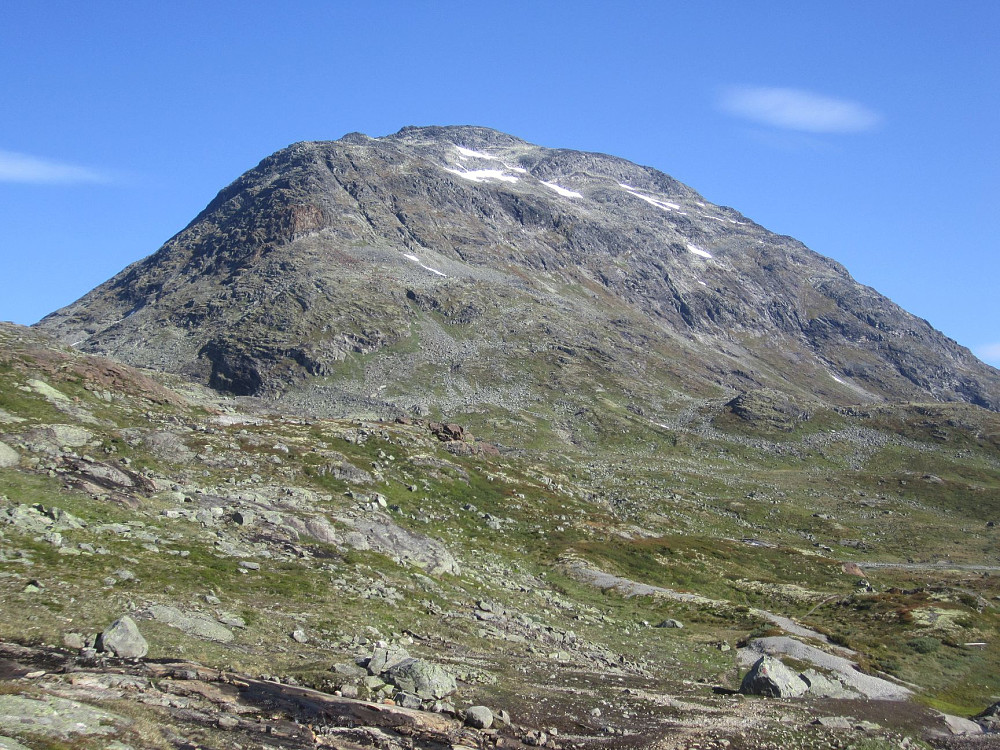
{"x":462,"y":268}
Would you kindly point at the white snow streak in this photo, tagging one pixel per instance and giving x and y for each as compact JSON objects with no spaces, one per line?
{"x":561,"y":190}
{"x":838,"y":379}
{"x":664,"y":205}
{"x":698,"y":251}
{"x":416,"y":260}
{"x":473,"y":154}
{"x":481,"y":175}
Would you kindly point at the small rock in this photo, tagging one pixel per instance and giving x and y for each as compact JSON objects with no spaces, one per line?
{"x":833,"y":722}
{"x":677,"y":624}
{"x":299,"y":636}
{"x":248,"y":565}
{"x":74,"y":641}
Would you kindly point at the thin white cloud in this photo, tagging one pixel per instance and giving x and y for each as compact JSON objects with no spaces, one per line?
{"x":795,"y":109}
{"x":15,"y":167}
{"x":989,"y":353}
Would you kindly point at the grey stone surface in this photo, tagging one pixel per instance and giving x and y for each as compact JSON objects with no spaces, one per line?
{"x":960,"y":726}
{"x":384,"y":659}
{"x":8,"y":456}
{"x":55,"y":717}
{"x":383,"y":535}
{"x":479,"y":717}
{"x":824,"y":686}
{"x":122,"y":638}
{"x":422,"y":678}
{"x":192,"y":623}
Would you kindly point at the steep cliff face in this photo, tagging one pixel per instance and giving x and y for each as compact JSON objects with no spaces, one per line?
{"x":460,"y":267}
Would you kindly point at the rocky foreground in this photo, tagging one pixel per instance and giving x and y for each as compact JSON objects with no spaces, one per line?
{"x":179,"y":570}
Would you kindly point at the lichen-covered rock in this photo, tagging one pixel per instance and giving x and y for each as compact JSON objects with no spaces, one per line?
{"x":383,"y":535}
{"x":122,"y":638}
{"x":769,"y":676}
{"x":422,"y":678}
{"x":49,"y":716}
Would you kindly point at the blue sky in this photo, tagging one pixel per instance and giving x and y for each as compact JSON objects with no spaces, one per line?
{"x":868,"y":130}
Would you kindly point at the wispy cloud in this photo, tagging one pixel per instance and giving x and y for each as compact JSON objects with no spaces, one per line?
{"x":795,"y":109}
{"x":989,"y":353}
{"x":15,"y":167}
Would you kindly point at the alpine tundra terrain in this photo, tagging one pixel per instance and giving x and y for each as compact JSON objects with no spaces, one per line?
{"x":447,"y":440}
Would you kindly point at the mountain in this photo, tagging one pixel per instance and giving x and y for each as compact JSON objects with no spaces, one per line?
{"x":459,"y":269}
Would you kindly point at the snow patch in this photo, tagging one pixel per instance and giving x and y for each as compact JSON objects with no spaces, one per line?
{"x":416,"y":260}
{"x":702,"y":282}
{"x":698,"y":251}
{"x":664,"y":205}
{"x":469,"y":153}
{"x":481,"y":175}
{"x":561,"y":190}
{"x":837,"y":379}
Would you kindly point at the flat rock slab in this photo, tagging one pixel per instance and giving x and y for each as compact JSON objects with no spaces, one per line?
{"x":55,"y":717}
{"x":8,"y":456}
{"x":191,"y":623}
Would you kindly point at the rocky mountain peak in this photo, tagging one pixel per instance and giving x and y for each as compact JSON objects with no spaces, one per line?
{"x":464,"y":268}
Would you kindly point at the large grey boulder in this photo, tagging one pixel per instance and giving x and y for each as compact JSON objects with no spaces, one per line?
{"x":422,"y":678}
{"x":769,"y":676}
{"x":960,"y":726}
{"x":122,"y":638}
{"x":479,"y":717}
